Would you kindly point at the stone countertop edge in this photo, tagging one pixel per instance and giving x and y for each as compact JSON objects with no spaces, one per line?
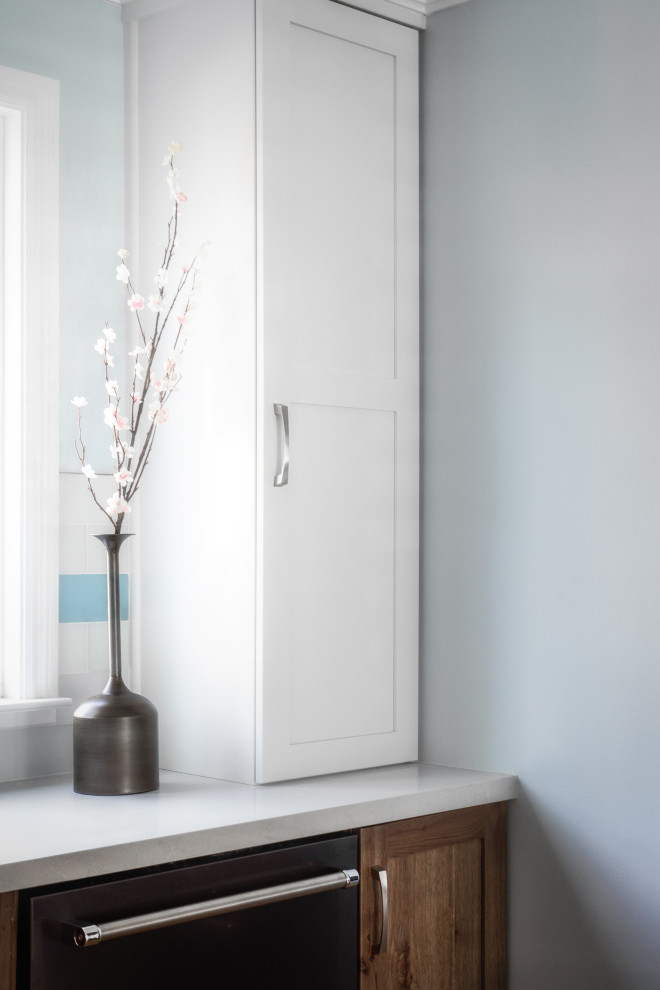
{"x":34,"y":855}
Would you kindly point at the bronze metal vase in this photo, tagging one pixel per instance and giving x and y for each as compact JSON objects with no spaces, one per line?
{"x":115,"y":733}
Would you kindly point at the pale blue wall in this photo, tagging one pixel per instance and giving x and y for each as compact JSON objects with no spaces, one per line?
{"x":80,"y":43}
{"x":541,"y":492}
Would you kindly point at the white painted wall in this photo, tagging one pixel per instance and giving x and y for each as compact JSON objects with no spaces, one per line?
{"x":541,"y":489}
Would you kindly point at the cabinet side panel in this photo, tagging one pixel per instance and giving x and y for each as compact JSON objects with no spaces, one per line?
{"x":197,"y":516}
{"x":495,"y":897}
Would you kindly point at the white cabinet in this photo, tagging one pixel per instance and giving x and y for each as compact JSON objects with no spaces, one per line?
{"x":279,"y":621}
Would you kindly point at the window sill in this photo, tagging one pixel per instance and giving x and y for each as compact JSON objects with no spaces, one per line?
{"x":18,"y":712}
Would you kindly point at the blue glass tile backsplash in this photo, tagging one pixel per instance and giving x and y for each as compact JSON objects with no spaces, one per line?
{"x":83,"y":597}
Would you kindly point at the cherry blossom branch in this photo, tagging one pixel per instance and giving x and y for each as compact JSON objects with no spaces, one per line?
{"x":130,"y":466}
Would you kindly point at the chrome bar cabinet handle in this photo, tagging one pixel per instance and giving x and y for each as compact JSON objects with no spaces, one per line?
{"x":282,"y":475}
{"x":380,"y":875}
{"x":85,"y":935}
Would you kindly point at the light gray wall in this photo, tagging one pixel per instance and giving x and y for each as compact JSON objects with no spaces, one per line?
{"x":541,"y":487}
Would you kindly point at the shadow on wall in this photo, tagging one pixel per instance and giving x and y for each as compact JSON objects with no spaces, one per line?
{"x":554,"y":939}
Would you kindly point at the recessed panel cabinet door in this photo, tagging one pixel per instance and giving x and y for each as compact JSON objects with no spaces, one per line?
{"x":338,"y":343}
{"x":433,"y":902}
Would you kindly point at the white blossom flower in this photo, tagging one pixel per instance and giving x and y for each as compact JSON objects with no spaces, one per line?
{"x":111,"y":387}
{"x":116,"y":451}
{"x":128,"y":450}
{"x":110,"y":335}
{"x":155,"y":303}
{"x":136,"y":302}
{"x":167,"y":382}
{"x":160,"y":278}
{"x":109,"y":360}
{"x":123,"y":254}
{"x":101,"y":346}
{"x":140,"y":350}
{"x":123,"y":477}
{"x":157,"y":414}
{"x":88,"y":471}
{"x":137,"y":399}
{"x":123,"y":274}
{"x":139,"y":371}
{"x":175,"y":147}
{"x":79,"y":401}
{"x":113,"y":418}
{"x":117,"y":504}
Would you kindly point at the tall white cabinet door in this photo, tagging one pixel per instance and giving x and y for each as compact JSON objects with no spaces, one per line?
{"x":337,"y":139}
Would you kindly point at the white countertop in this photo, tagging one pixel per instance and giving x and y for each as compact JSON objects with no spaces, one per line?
{"x":49,"y":834}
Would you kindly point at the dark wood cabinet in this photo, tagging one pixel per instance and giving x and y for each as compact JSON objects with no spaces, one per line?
{"x":445,"y":879}
{"x":8,"y":910}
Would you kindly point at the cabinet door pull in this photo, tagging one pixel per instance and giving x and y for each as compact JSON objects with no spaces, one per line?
{"x":282,"y":475}
{"x":380,"y":875}
{"x":85,"y":934}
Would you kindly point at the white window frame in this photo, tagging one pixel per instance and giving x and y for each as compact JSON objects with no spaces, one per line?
{"x":29,"y":406}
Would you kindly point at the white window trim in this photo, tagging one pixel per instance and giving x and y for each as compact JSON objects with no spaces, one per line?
{"x":30,"y":414}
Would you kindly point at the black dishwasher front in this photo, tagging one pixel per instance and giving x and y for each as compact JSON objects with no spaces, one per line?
{"x":281,"y":917}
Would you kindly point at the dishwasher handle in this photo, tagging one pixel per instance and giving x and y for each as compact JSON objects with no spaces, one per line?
{"x":84,"y":935}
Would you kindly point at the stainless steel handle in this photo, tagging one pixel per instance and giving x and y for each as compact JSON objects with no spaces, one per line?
{"x":86,"y":935}
{"x":380,"y":875}
{"x":282,"y":476}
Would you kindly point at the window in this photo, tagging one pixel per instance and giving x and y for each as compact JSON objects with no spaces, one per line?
{"x":29,"y":407}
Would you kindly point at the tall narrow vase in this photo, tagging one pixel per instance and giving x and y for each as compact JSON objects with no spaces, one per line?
{"x":115,"y":733}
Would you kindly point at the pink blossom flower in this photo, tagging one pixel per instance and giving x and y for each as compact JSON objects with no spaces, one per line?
{"x":182,"y":318}
{"x":180,"y":197}
{"x":136,"y":303}
{"x":123,"y":477}
{"x":157,"y":414}
{"x":155,"y":304}
{"x":136,"y":399}
{"x":117,"y":504}
{"x":88,"y":471}
{"x":79,"y":401}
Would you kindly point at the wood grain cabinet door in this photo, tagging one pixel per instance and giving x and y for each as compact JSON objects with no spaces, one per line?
{"x":444,"y":909}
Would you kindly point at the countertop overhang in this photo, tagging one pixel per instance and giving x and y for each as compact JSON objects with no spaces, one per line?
{"x":51,"y":835}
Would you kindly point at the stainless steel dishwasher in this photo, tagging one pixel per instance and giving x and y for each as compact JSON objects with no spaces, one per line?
{"x":280,"y":917}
